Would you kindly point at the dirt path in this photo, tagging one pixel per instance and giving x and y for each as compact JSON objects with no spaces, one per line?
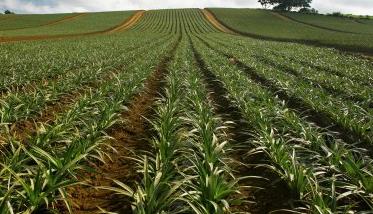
{"x":123,"y":26}
{"x":128,"y":23}
{"x":130,"y":136}
{"x":212,"y":19}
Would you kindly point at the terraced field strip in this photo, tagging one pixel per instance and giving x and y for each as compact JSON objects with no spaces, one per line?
{"x":128,"y":23}
{"x":284,"y":31}
{"x":124,"y":26}
{"x":64,"y":19}
{"x":288,"y":18}
{"x":51,"y":23}
{"x":212,"y":19}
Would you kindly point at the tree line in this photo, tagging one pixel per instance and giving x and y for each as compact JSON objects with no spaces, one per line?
{"x":7,"y":12}
{"x":288,"y":5}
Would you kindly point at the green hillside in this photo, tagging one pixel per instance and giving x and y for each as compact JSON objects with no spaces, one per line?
{"x":89,"y":22}
{"x":269,"y":25}
{"x":26,"y":21}
{"x":342,"y":24}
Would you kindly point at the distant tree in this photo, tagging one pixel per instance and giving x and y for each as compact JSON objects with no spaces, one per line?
{"x":8,"y":12}
{"x":337,"y":14}
{"x":287,"y":4}
{"x":265,"y":3}
{"x":308,"y":10}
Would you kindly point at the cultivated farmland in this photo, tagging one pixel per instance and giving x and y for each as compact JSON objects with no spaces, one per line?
{"x":171,"y":111}
{"x":302,"y":28}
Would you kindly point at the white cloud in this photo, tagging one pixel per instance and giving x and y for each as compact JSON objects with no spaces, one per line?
{"x":359,"y":7}
{"x":58,"y":6}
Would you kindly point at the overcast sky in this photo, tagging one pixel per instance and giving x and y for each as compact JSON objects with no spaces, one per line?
{"x":362,"y":7}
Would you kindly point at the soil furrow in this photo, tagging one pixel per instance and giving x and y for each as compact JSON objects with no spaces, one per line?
{"x":23,"y":129}
{"x":275,"y":193}
{"x":321,"y":119}
{"x":129,"y":137}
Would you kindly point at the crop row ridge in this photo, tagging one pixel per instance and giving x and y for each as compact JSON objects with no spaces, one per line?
{"x":130,"y":136}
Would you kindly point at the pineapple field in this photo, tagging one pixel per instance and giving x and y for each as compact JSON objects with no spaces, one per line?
{"x":185,"y":111}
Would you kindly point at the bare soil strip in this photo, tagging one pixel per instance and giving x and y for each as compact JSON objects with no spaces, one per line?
{"x":124,"y":26}
{"x":128,"y":137}
{"x":363,"y":52}
{"x":275,"y":194}
{"x":128,"y":24}
{"x":212,"y":19}
{"x":321,"y":119}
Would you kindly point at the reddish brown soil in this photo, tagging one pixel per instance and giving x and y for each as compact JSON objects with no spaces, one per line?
{"x":123,"y":26}
{"x":129,"y":137}
{"x":128,"y":23}
{"x":212,"y":19}
{"x":23,"y":129}
{"x":275,"y":194}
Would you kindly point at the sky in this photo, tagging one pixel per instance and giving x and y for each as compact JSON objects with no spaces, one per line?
{"x":359,"y":7}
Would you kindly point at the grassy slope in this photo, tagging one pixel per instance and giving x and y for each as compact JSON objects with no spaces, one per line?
{"x":336,"y":23}
{"x":88,"y":23}
{"x":264,"y":24}
{"x":25,"y":21}
{"x":366,"y":21}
